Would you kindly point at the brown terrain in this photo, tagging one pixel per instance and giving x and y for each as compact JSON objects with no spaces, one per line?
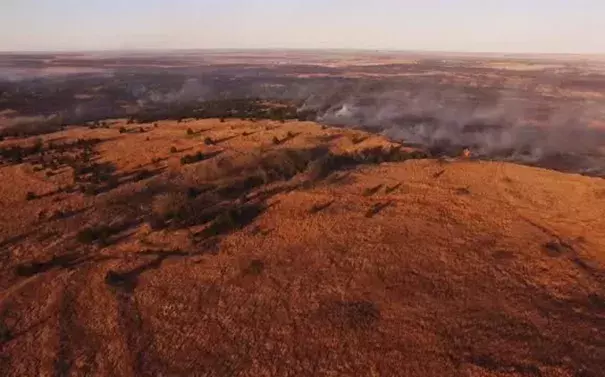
{"x":292,"y":249}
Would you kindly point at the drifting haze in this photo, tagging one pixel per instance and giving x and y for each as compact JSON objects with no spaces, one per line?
{"x":465,"y":25}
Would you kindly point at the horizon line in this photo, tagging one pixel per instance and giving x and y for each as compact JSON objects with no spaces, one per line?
{"x":296,"y":49}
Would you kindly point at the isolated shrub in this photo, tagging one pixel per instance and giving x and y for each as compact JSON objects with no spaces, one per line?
{"x":191,"y":159}
{"x":222,"y":120}
{"x":99,"y":172}
{"x":90,"y":235}
{"x":54,"y":164}
{"x":89,"y":190}
{"x":38,"y":146}
{"x":358,"y":139}
{"x":112,"y":182}
{"x":189,"y":131}
{"x":156,"y":222}
{"x":193,"y":192}
{"x":284,"y":164}
{"x":169,"y":205}
{"x":30,"y":196}
{"x":208,"y":141}
{"x":86,"y":236}
{"x":5,"y":333}
{"x":232,"y":219}
{"x":325,"y":165}
{"x":123,"y":130}
{"x":173,"y":150}
{"x":143,"y":174}
{"x":13,"y":154}
{"x":418,"y":155}
{"x":256,"y":267}
{"x":275,"y":140}
{"x":58,"y":214}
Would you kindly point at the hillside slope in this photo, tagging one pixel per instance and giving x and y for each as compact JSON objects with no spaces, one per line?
{"x":304,"y":255}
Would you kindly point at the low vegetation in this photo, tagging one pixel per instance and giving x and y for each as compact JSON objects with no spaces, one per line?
{"x":223,"y":109}
{"x":100,"y":234}
{"x":192,"y":158}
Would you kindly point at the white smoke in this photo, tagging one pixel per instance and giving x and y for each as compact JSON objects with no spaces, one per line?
{"x":193,"y":89}
{"x":513,"y":125}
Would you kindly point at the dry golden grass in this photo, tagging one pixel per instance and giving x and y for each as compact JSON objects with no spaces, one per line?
{"x":415,"y":268}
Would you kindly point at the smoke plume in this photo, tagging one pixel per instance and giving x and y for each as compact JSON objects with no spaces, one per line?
{"x":510,"y":125}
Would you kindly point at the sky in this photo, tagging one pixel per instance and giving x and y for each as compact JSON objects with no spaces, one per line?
{"x":551,"y":26}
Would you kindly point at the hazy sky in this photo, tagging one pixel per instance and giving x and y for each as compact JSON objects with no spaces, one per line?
{"x":456,"y":25}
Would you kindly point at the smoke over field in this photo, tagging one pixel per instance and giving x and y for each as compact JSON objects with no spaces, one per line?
{"x":536,"y":110}
{"x":511,"y":125}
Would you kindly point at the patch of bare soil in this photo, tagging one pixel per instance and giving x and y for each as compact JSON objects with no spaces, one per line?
{"x":264,"y":248}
